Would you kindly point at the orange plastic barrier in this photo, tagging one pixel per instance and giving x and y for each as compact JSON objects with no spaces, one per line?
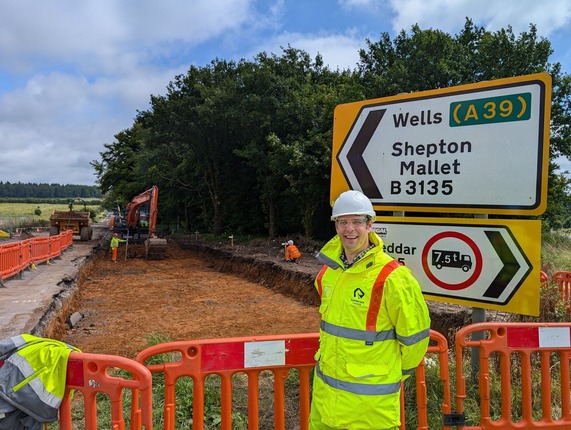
{"x":9,"y":260}
{"x":25,"y":252}
{"x":93,"y":374}
{"x":543,"y":279}
{"x":521,"y":357}
{"x":39,"y":250}
{"x":251,"y":356}
{"x":563,"y":280}
{"x":228,"y":357}
{"x":66,"y":239}
{"x":18,"y":256}
{"x":439,"y":346}
{"x":55,"y":246}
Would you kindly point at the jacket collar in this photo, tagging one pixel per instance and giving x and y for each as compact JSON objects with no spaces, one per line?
{"x":330,"y":254}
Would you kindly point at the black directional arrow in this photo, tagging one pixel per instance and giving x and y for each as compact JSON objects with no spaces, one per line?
{"x":511,"y":266}
{"x":355,"y":154}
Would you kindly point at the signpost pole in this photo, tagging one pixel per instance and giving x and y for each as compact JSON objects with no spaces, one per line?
{"x":478,"y":315}
{"x":126,"y":247}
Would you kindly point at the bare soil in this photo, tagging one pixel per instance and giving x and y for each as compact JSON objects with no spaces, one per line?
{"x":192,"y":294}
{"x":200,"y":292}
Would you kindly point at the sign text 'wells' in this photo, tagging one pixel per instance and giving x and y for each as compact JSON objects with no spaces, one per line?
{"x":480,"y":148}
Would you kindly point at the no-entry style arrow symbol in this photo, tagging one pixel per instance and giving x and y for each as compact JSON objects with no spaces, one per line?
{"x":355,"y":154}
{"x":508,"y":271}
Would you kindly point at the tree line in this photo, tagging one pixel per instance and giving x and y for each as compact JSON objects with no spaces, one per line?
{"x":21,"y":190}
{"x":245,"y":147}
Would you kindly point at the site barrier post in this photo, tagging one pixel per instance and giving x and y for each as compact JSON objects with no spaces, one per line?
{"x":563,"y":281}
{"x":522,"y":358}
{"x":93,"y":374}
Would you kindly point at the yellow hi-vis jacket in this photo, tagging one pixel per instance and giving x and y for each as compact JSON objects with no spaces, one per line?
{"x":374,"y":332}
{"x":32,"y":380}
{"x":115,"y":242}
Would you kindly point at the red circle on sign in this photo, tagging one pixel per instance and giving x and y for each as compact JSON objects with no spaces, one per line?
{"x":473,"y":247}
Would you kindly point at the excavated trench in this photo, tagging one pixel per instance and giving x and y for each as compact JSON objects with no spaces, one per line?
{"x":293,"y":282}
{"x":446,"y":318}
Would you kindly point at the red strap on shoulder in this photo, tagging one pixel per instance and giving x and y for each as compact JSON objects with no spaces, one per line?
{"x":319,"y":278}
{"x":377,"y":294}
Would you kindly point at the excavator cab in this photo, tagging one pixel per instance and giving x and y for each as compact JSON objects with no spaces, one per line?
{"x":140,"y":220}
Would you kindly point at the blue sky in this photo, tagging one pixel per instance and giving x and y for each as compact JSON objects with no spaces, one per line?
{"x":74,"y":74}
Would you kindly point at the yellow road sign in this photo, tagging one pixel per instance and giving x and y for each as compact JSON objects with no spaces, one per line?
{"x":478,"y":148}
{"x":484,"y":263}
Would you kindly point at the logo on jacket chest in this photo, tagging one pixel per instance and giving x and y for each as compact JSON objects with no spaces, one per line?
{"x":358,"y":297}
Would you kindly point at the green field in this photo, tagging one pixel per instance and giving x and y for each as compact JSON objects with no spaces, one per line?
{"x":24,"y":214}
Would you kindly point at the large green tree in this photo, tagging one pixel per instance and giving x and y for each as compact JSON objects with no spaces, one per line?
{"x":245,"y":147}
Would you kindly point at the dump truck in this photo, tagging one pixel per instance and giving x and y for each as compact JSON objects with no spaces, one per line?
{"x":78,"y":221}
{"x":139,"y":220}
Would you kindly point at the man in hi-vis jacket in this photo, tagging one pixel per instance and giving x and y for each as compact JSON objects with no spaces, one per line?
{"x":375,"y":325}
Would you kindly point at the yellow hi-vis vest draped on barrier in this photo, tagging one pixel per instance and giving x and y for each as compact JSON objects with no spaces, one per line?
{"x":375,"y":330}
{"x":32,"y":380}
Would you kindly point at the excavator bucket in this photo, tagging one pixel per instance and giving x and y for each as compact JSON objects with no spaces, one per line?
{"x":155,"y":249}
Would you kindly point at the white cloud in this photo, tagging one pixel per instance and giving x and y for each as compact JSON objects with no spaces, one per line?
{"x":450,"y":15}
{"x":358,"y":4}
{"x":336,"y":49}
{"x":83,"y":69}
{"x":87,"y":68}
{"x":110,"y":34}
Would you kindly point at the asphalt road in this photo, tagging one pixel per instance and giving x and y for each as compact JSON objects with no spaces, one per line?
{"x":27,"y":300}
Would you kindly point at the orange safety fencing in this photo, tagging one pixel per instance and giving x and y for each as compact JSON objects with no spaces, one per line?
{"x":563,"y":281}
{"x":55,"y":246}
{"x":18,"y":256}
{"x":25,"y":253}
{"x":66,"y":239}
{"x":543,"y":279}
{"x":94,"y":376}
{"x":40,"y":250}
{"x":511,"y":386}
{"x":9,"y":260}
{"x":240,"y":366}
{"x":438,"y":347}
{"x":523,"y":360}
{"x":229,"y":359}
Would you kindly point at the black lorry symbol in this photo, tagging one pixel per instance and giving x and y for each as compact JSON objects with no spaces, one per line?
{"x":442,"y":258}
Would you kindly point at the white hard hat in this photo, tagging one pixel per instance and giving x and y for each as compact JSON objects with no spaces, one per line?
{"x":352,"y":202}
{"x":290,"y":242}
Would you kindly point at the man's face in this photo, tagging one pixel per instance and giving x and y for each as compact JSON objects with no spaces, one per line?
{"x":354,"y":232}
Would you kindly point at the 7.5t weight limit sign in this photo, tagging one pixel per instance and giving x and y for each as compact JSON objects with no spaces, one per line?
{"x":480,"y":148}
{"x":493,"y":264}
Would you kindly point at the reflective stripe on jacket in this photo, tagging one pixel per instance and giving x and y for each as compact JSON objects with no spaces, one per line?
{"x":33,"y":376}
{"x":374,"y":332}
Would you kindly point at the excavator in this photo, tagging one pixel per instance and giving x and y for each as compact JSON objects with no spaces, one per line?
{"x":140,"y":218}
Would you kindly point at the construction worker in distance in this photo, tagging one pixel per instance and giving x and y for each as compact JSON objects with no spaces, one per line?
{"x":374,"y":328}
{"x":115,"y":240}
{"x":291,"y":252}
